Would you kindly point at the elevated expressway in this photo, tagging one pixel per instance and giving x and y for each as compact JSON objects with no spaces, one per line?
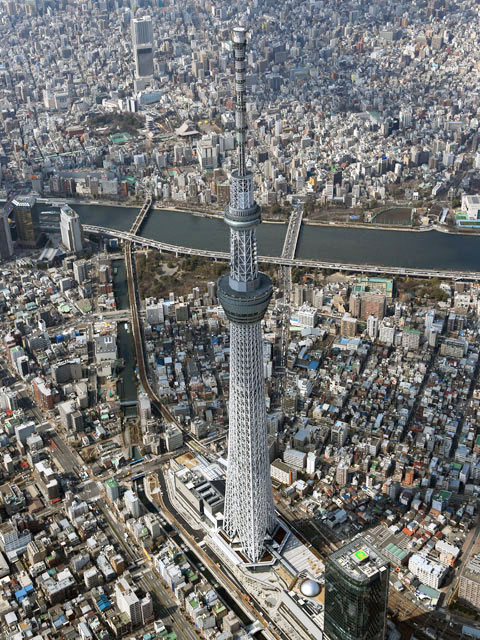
{"x":285,"y":261}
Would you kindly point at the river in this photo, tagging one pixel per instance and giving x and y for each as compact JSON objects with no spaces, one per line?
{"x":430,"y":249}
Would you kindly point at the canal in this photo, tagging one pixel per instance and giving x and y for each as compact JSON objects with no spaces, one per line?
{"x":430,"y":249}
{"x":127,"y":383}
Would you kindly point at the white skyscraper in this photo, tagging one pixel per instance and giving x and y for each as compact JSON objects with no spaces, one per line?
{"x":132,"y":503}
{"x":244,"y":295}
{"x":142,"y":42}
{"x":128,"y":602}
{"x":372,"y":327}
{"x":71,"y":229}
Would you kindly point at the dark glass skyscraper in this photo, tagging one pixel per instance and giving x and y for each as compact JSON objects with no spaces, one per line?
{"x":26,"y":221}
{"x":356,"y":593}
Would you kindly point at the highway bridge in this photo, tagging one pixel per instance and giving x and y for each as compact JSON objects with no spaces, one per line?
{"x":293,"y":231}
{"x":285,"y":277}
{"x":286,"y":261}
{"x":141,"y":214}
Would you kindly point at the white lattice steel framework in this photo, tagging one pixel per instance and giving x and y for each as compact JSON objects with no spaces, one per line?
{"x":243,"y":245}
{"x":249,"y":513}
{"x":245,"y":294}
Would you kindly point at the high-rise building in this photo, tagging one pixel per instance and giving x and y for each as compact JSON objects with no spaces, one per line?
{"x":80,"y":271}
{"x":142,"y":42}
{"x":348,"y":326}
{"x":373,"y":304}
{"x":26,"y":221}
{"x":71,"y":229}
{"x":113,"y":489}
{"x":356,"y":593}
{"x":469,"y":586}
{"x":244,"y":295}
{"x":372,"y":327}
{"x":355,"y":305}
{"x":128,"y":602}
{"x":146,"y":608}
{"x":132,"y":503}
{"x":6,"y":244}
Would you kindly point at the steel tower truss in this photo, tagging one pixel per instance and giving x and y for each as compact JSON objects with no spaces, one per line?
{"x":244,"y":295}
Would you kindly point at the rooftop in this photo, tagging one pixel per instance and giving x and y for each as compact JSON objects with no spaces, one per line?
{"x":359,"y":560}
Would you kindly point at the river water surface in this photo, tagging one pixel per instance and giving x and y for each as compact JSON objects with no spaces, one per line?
{"x":430,"y":249}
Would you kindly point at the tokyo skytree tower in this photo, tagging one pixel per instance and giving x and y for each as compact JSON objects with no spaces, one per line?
{"x":244,"y":295}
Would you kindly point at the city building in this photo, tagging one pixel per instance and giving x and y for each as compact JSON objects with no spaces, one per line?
{"x":469,"y":586}
{"x":282,"y":472}
{"x":244,"y":295}
{"x":294,"y":458}
{"x":348,"y":326}
{"x":26,"y":221}
{"x":372,"y":304}
{"x":71,"y":229}
{"x":173,"y":437}
{"x":113,"y":489}
{"x":307,"y":316}
{"x":471,"y":205}
{"x":132,"y":503}
{"x":427,"y":571}
{"x":339,"y":433}
{"x":372,"y":327}
{"x":142,"y":42}
{"x":12,"y":540}
{"x":80,"y":271}
{"x":356,"y":593}
{"x":6,"y":243}
{"x":128,"y":602}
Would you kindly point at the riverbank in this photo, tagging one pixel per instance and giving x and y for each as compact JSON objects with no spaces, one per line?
{"x":134,"y":205}
{"x":56,"y":202}
{"x":453,"y":231}
{"x":366,"y":226}
{"x":333,"y":243}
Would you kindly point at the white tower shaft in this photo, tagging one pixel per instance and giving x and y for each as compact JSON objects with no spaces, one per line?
{"x":244,"y":295}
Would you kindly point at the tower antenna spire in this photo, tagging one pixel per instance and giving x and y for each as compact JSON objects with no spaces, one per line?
{"x":239,"y":47}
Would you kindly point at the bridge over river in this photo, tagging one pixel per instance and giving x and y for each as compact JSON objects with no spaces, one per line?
{"x":284,"y":260}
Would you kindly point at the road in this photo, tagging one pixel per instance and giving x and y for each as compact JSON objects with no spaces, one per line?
{"x":474,"y":534}
{"x":164,"y":602}
{"x":70,"y":460}
{"x":140,"y":353}
{"x":234,"y":593}
{"x":285,"y":273}
{"x":280,"y":260}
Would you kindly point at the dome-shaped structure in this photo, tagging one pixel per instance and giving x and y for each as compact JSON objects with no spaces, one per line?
{"x":310,"y":588}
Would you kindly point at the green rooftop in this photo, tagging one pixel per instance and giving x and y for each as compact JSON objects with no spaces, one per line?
{"x":429,"y":591}
{"x":361,"y":555}
{"x":120,"y":138}
{"x":396,"y":551}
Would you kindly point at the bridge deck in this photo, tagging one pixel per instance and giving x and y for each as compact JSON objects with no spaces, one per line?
{"x":141,"y":215}
{"x":292,"y":262}
{"x":293,"y":231}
